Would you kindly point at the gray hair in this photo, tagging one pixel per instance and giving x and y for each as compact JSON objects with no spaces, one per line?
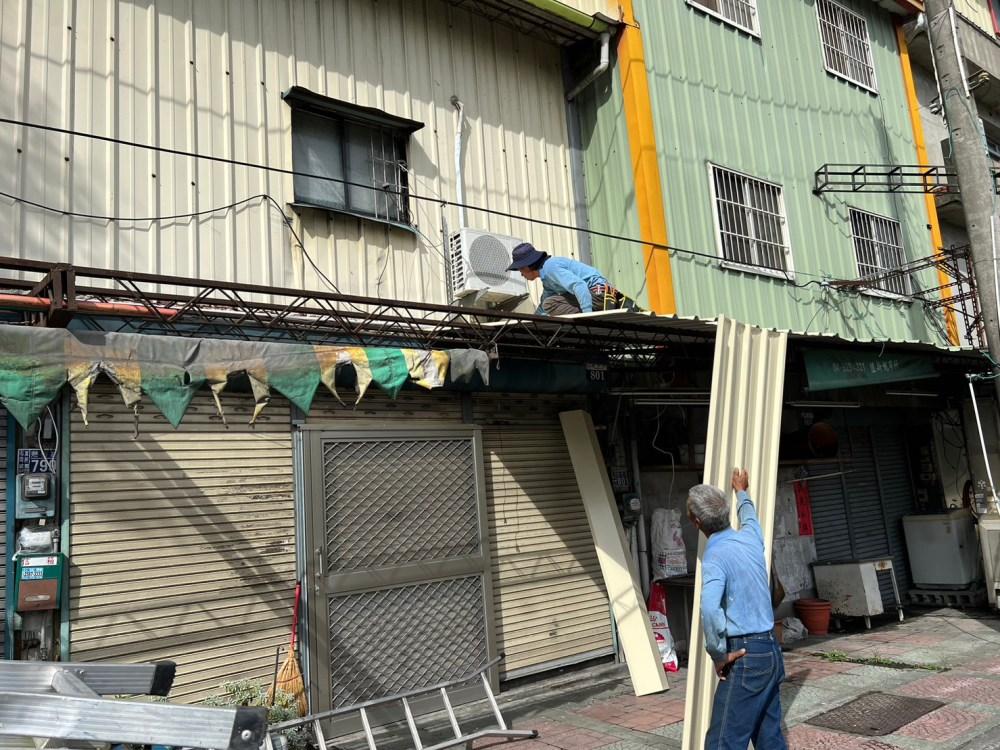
{"x":709,"y":506}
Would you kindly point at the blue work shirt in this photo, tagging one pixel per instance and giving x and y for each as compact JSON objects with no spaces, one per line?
{"x":568,"y":276}
{"x":736,"y":593}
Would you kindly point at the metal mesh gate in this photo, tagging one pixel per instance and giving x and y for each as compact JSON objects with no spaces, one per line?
{"x":399,"y":532}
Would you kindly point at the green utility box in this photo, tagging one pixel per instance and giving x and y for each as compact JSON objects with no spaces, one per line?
{"x":38,"y":582}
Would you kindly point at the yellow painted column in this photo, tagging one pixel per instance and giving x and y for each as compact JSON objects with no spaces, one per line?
{"x":932,"y":217}
{"x":645,"y":168}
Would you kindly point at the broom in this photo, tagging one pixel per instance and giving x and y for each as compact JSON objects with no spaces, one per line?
{"x":289,"y":677}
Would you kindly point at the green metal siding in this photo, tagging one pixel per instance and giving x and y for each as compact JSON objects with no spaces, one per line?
{"x":766,"y":107}
{"x":610,"y":189}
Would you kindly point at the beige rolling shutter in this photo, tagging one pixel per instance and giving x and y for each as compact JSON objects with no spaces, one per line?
{"x":3,"y":519}
{"x":183,"y":541}
{"x":551,"y":605}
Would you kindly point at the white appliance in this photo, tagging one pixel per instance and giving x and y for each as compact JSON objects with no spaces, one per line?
{"x":477,"y":265}
{"x":943,"y":550}
{"x":989,"y":537}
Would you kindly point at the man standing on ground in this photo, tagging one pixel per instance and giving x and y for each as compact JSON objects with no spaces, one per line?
{"x":738,"y":622}
{"x":568,"y":286}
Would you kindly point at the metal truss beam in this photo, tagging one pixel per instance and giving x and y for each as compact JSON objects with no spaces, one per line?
{"x":111,"y":300}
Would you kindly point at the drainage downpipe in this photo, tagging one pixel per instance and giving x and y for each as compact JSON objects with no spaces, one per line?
{"x":459,"y":183}
{"x":602,"y":66}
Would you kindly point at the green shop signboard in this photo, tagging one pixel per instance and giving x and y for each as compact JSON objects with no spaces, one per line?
{"x":828,"y":369}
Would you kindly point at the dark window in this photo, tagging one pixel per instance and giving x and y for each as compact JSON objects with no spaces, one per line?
{"x":363,"y":150}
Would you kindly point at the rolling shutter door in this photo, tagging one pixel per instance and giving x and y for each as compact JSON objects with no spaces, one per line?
{"x":897,"y":498}
{"x":3,"y":519}
{"x":551,"y":605}
{"x":183,"y":541}
{"x":863,"y":500}
{"x":830,"y":527}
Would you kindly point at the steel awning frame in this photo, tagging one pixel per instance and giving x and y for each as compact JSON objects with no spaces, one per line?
{"x":53,"y":294}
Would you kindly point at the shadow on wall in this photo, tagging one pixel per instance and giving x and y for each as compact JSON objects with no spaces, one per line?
{"x":183,"y":540}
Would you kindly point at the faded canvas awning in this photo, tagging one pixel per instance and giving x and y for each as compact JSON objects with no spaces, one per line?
{"x":38,"y":362}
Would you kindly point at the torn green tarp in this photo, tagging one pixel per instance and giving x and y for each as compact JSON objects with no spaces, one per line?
{"x":37,"y":362}
{"x":31,"y":371}
{"x":389,"y":369}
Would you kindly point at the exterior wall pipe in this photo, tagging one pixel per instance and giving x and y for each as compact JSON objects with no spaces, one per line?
{"x":23,"y":302}
{"x":995,"y":501}
{"x":459,"y":187}
{"x":593,"y":75}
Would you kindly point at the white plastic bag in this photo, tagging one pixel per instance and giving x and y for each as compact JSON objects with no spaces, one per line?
{"x":669,"y":553}
{"x":792,"y":630}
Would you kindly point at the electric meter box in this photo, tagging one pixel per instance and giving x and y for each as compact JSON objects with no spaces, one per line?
{"x":38,"y":582}
{"x":36,"y":496}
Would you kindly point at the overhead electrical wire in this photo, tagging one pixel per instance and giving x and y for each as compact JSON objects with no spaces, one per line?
{"x":821,"y":280}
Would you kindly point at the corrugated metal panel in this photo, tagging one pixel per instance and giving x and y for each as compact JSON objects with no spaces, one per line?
{"x":744,"y":428}
{"x":977,"y":12}
{"x":182,"y":540}
{"x":769,"y":109}
{"x":208,"y":77}
{"x":551,"y":604}
{"x":3,"y":519}
{"x":409,"y":405}
{"x":895,"y":479}
{"x":864,"y":503}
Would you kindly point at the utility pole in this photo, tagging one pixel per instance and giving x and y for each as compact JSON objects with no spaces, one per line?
{"x":975,"y":178}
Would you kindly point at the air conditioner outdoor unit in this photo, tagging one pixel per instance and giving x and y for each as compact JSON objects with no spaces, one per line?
{"x":477,"y":266}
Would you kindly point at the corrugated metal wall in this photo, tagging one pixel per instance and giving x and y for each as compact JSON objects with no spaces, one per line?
{"x":767,"y":108}
{"x":208,"y":77}
{"x":978,"y":12}
{"x":183,"y":541}
{"x":3,"y":520}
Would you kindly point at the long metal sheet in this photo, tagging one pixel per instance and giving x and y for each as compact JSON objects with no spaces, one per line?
{"x":641,"y":653}
{"x":103,"y":679}
{"x":744,"y":427}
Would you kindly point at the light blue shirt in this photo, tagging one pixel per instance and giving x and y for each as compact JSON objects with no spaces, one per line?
{"x":568,"y":276}
{"x":736,"y":593}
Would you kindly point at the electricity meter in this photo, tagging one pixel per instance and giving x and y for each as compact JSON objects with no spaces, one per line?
{"x":36,"y":497}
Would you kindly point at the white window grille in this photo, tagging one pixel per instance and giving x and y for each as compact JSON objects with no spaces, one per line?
{"x":878,"y":247}
{"x":750,"y":221}
{"x":740,"y":13}
{"x":847,"y":50}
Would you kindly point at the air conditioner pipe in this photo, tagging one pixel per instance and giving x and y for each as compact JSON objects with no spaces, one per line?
{"x":459,"y":183}
{"x":602,"y":65}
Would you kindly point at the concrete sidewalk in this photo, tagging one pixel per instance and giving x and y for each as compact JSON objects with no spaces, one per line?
{"x":944,"y":655}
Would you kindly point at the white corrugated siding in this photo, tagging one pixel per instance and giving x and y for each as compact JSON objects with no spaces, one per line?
{"x":208,"y":77}
{"x":3,"y":520}
{"x":183,"y":541}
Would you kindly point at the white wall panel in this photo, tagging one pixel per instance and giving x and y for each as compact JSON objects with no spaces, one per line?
{"x":208,"y":77}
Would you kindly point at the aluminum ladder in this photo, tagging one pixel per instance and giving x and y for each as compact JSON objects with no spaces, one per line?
{"x":274,"y":740}
{"x":60,"y":705}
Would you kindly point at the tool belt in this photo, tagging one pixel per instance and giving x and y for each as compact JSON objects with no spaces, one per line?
{"x":606,"y":297}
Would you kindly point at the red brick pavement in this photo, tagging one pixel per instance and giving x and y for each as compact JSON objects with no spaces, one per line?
{"x":552,"y":734}
{"x":944,"y":724}
{"x":640,"y":714}
{"x":803,"y":670}
{"x":947,"y":688}
{"x":803,"y":737}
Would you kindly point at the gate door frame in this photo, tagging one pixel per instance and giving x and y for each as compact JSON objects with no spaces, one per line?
{"x":319,"y":588}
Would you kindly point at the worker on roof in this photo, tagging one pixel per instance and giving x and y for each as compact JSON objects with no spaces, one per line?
{"x":568,"y":286}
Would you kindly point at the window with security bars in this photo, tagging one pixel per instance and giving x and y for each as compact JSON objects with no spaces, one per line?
{"x":878,"y":247}
{"x":847,"y":50}
{"x":750,"y":219}
{"x":363,"y":152}
{"x":740,"y":13}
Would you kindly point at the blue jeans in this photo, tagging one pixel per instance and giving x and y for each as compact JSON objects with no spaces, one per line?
{"x":747,"y":706}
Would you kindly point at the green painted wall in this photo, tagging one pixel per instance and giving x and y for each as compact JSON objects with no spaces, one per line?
{"x":766,"y":107}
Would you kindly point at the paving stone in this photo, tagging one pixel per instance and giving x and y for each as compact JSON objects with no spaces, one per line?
{"x":803,"y":737}
{"x":956,"y":688}
{"x":945,"y":724}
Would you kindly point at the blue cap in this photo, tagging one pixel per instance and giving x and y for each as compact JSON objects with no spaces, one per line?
{"x":525,"y":255}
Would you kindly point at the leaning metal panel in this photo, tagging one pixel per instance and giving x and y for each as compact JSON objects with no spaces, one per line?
{"x":399,"y":501}
{"x":392,"y":640}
